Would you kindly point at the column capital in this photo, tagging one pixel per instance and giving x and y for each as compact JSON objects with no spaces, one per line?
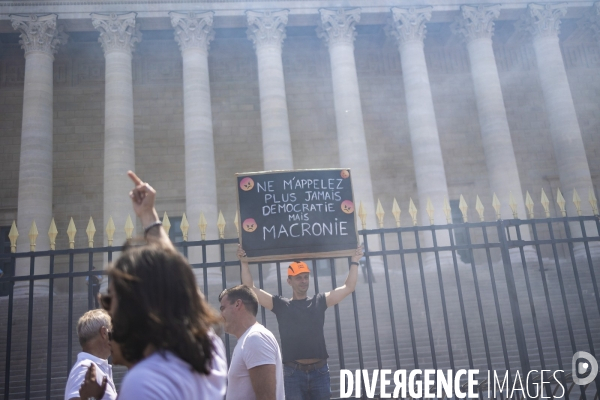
{"x":39,"y":33}
{"x":193,"y":30}
{"x":408,"y":24}
{"x":476,"y":22}
{"x":544,"y":19}
{"x":338,"y":26}
{"x":118,"y":32}
{"x":267,"y":28}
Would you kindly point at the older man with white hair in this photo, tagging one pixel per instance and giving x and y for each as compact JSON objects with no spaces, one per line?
{"x":93,"y":330}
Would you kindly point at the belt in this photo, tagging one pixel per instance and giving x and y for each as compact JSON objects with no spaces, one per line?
{"x":306,"y":367}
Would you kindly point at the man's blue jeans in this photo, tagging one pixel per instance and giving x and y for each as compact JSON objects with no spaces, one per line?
{"x":313,"y":385}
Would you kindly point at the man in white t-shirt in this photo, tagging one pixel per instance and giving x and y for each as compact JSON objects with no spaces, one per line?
{"x":93,"y":331}
{"x":256,"y":371}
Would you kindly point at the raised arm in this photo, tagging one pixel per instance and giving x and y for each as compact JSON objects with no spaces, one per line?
{"x":265,"y":299}
{"x":338,"y":294}
{"x":142,"y":197}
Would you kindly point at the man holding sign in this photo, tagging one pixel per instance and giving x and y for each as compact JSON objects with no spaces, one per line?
{"x":301,"y":320}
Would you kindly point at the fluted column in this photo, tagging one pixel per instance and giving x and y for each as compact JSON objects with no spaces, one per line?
{"x":193,"y":33}
{"x":477,"y":27}
{"x":409,"y":30}
{"x":569,"y":150}
{"x":118,"y":37}
{"x":337,"y":29}
{"x":267,"y":31}
{"x":40,"y":39}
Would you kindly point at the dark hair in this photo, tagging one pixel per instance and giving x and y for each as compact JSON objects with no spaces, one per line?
{"x":243,"y":293}
{"x":159,"y":303}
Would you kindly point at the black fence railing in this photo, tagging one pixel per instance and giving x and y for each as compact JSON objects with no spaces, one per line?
{"x":510,"y":298}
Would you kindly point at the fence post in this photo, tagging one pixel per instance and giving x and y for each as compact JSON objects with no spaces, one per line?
{"x":9,"y":323}
{"x":514,"y":302}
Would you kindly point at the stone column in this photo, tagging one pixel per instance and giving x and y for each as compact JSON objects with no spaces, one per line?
{"x":118,"y":36}
{"x":409,"y":30}
{"x":337,"y":29}
{"x":39,"y":38}
{"x":569,"y":150}
{"x":267,"y":31}
{"x":477,"y":27}
{"x":194,"y":32}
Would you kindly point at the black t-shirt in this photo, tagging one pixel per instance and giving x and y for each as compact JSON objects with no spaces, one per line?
{"x":301,"y":327}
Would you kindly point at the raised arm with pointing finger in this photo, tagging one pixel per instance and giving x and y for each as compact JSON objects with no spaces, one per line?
{"x":142,"y":197}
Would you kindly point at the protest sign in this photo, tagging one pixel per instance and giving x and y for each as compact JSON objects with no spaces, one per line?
{"x":296,"y":214}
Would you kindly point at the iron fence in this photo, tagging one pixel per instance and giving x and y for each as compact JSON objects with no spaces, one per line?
{"x":508,"y":297}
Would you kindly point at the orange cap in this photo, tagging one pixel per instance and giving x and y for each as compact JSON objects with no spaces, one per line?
{"x":297,"y":267}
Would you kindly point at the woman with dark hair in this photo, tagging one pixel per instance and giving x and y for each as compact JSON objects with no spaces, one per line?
{"x":161,"y":321}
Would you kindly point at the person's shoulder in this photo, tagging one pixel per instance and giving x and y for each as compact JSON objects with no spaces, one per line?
{"x":139,"y":384}
{"x":259,"y":347}
{"x":151,"y":367}
{"x":82,"y":364}
{"x":149,"y":378}
{"x":320,"y":299}
{"x":166,"y":376}
{"x":278,"y":297}
{"x":258,"y":334}
{"x":279,"y":303}
{"x":279,"y":300}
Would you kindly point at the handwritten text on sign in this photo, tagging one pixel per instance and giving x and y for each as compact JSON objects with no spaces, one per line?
{"x":296,"y":212}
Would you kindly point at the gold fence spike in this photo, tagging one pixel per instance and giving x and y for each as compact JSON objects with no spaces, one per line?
{"x":396,"y":212}
{"x":236,"y":222}
{"x":13,"y":235}
{"x":412,"y":210}
{"x":71,"y":231}
{"x":91,"y":231}
{"x":512,"y":203}
{"x":561,"y":202}
{"x":529,"y":204}
{"x":110,"y":230}
{"x":33,"y":234}
{"x":462,"y":204}
{"x":380,"y":213}
{"x":52,"y":233}
{"x":546,"y":203}
{"x":221,"y":225}
{"x":577,"y":202}
{"x":479,"y":207}
{"x":496,"y":205}
{"x":202,"y":224}
{"x":362,"y":214}
{"x":593,"y":201}
{"x":447,"y":210}
{"x":185,"y":226}
{"x":129,"y":227}
{"x":166,"y":223}
{"x":430,"y":211}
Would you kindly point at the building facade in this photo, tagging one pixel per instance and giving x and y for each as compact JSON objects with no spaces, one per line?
{"x":425,"y":102}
